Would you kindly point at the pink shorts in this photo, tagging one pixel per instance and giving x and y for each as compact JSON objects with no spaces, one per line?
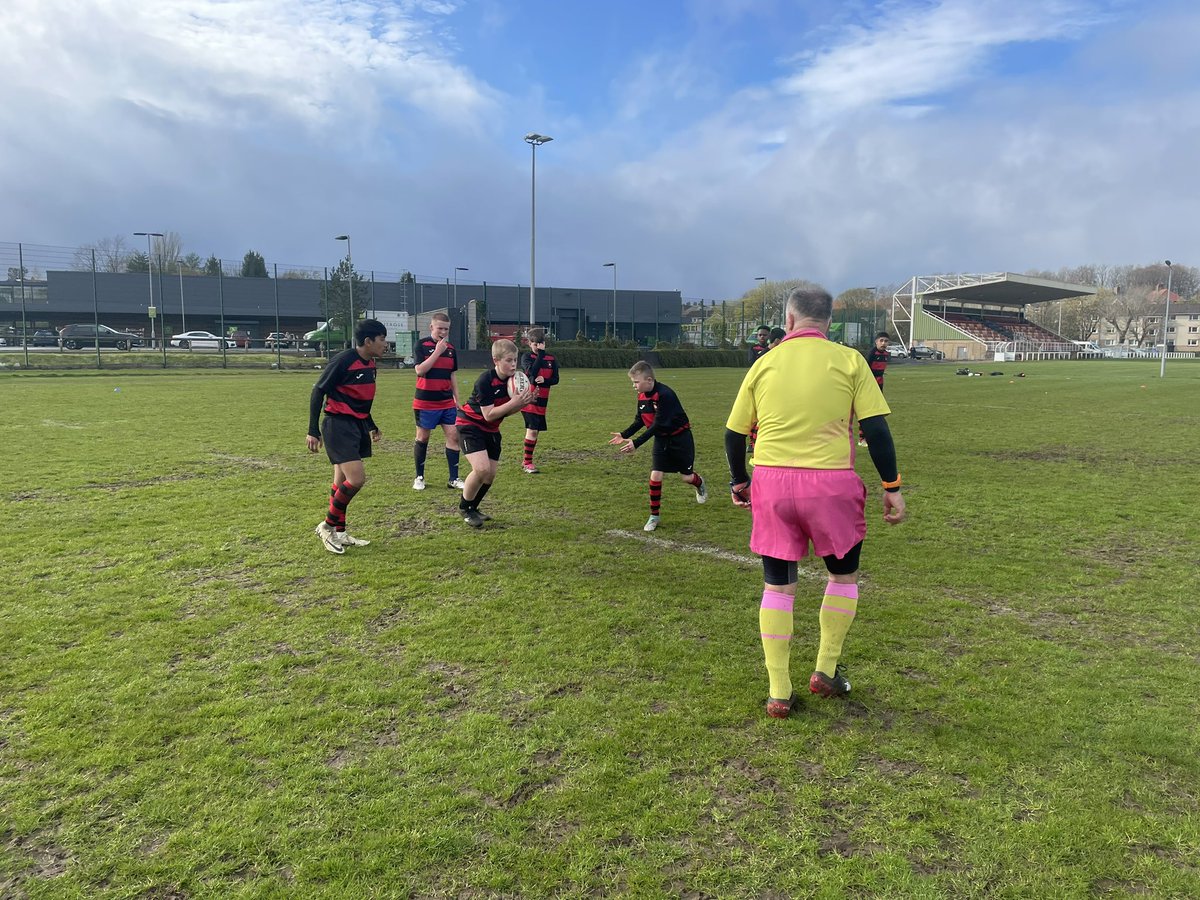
{"x":792,"y":507}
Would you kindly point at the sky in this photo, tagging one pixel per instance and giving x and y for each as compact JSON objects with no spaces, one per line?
{"x":698,"y":144}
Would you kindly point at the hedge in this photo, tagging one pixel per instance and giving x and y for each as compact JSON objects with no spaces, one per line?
{"x":604,"y":358}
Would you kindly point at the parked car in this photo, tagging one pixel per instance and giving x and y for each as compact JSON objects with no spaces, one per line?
{"x":81,"y":337}
{"x":240,"y":339}
{"x":897,"y":351}
{"x":44,"y":337}
{"x":279,"y":339}
{"x":926,"y":353}
{"x":199,"y":340}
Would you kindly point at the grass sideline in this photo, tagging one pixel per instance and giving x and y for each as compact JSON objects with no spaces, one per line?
{"x":197,"y":700}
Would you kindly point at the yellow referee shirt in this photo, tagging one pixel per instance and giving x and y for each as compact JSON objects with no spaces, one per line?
{"x":803,"y":395}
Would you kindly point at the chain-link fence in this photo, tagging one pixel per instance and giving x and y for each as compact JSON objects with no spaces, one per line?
{"x":117,"y":304}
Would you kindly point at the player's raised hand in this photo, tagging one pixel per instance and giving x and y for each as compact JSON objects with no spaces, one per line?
{"x":314,"y":443}
{"x":893,"y":507}
{"x":441,"y":346}
{"x":617,"y":438}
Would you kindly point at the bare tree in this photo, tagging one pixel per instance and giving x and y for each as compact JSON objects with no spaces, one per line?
{"x":166,"y":250}
{"x":1127,"y":313}
{"x":112,"y":254}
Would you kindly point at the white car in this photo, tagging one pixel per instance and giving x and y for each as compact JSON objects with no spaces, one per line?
{"x":897,"y":351}
{"x":200,"y":339}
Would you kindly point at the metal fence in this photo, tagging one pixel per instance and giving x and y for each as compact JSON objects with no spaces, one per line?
{"x":156,"y":294}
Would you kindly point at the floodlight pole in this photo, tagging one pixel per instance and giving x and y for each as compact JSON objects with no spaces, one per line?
{"x":350,"y":278}
{"x":534,"y":140}
{"x":150,"y":271}
{"x":613,"y":266}
{"x":458,"y":269}
{"x":1162,"y":365}
{"x":182,"y":307}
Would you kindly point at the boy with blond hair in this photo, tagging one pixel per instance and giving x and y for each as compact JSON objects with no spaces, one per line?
{"x":479,"y":427}
{"x":662,"y":415}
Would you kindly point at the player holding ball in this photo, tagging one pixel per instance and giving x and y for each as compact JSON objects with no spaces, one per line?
{"x":499,"y":392}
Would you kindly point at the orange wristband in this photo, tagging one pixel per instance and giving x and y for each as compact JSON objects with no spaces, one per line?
{"x":892,"y":484}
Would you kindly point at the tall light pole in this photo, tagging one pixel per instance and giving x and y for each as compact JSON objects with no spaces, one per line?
{"x":874,"y":311}
{"x":150,"y":270}
{"x":534,"y":140}
{"x":759,"y":280}
{"x":350,"y":278}
{"x":1162,"y":365}
{"x":182,"y":308}
{"x":613,"y":266}
{"x":458,"y":269}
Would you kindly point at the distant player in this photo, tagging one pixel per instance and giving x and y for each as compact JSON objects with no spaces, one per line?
{"x":877,"y":360}
{"x":776,"y":338}
{"x":542,"y":369}
{"x":346,"y":390}
{"x":762,"y":342}
{"x":661,"y":414}
{"x":436,"y":400}
{"x":805,"y":395}
{"x":479,"y":425}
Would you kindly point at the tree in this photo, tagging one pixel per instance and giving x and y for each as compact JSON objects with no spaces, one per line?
{"x":335,"y":294}
{"x":212,"y":265}
{"x":111,"y":255}
{"x":193,"y":262}
{"x":18,"y":273}
{"x":166,"y":250}
{"x":1127,"y":313}
{"x":856,"y":307}
{"x":137,"y":261}
{"x":253,"y":265}
{"x":763,"y":305}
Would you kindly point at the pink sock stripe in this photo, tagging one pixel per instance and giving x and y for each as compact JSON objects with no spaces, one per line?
{"x":848,"y":612}
{"x":776,"y":600}
{"x":833,"y":589}
{"x":776,"y":637}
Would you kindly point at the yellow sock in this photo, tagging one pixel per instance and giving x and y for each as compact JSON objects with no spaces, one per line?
{"x":837,"y":615}
{"x":775,"y":624}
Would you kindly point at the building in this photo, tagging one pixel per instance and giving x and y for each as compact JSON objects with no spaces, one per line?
{"x":261,"y":305}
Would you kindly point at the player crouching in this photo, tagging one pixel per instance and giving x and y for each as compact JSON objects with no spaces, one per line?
{"x":661,"y":414}
{"x":479,"y":426}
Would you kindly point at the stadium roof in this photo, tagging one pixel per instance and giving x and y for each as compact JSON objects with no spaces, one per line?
{"x":999,"y":289}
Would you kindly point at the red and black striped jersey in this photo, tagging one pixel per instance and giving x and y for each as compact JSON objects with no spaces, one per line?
{"x":877,"y":359}
{"x":758,"y":350}
{"x":347,"y":388}
{"x":489,"y":390}
{"x":660,"y":413}
{"x":435,"y":389}
{"x":533,"y":365}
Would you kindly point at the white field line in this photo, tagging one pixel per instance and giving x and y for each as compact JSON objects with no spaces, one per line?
{"x":714,"y":552}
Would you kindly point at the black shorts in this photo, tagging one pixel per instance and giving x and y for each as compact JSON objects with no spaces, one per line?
{"x":535,"y":421}
{"x":473,"y":439}
{"x":346,"y":439}
{"x":675,"y":454}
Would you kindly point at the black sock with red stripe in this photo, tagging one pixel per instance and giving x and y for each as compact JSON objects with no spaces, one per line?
{"x":655,"y":496}
{"x":341,"y":498}
{"x":529,"y":445}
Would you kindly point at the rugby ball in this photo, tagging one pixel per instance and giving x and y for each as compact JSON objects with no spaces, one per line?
{"x":518,"y":383}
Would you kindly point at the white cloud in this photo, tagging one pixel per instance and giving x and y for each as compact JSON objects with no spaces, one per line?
{"x":912,"y":52}
{"x":308,"y":62}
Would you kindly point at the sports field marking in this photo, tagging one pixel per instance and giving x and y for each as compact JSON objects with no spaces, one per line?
{"x":714,"y":552}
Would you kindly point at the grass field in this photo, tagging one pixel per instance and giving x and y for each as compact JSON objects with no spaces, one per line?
{"x":196,"y":700}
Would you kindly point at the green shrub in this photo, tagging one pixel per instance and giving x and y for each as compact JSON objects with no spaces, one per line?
{"x":692,"y":359}
{"x":594,"y":357}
